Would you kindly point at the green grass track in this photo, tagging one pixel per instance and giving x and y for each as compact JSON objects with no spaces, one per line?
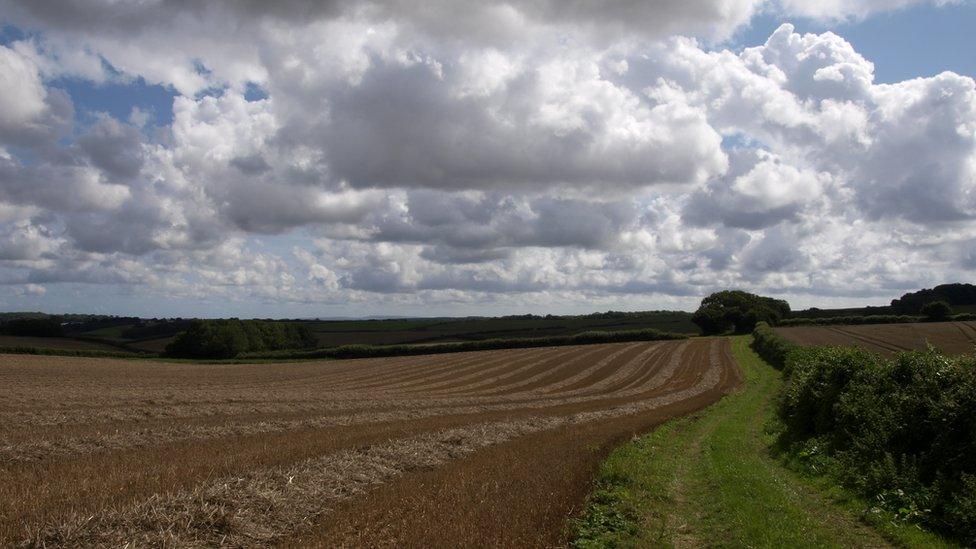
{"x":709,"y":480}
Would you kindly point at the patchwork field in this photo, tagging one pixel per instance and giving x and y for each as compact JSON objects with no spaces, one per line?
{"x":954,"y":338}
{"x":468,"y":447}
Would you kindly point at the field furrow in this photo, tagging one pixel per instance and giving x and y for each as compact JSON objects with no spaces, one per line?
{"x":109,"y":451}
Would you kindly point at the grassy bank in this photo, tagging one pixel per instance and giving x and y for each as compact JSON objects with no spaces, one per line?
{"x":709,"y":479}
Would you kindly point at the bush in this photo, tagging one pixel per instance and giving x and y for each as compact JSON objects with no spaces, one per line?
{"x":230,"y":338}
{"x":901,"y":432}
{"x":937,"y":311}
{"x":770,"y":346}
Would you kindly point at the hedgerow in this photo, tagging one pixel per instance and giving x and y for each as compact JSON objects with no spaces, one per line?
{"x":770,"y":346}
{"x":91,"y":353}
{"x":900,"y":432}
{"x":851,"y":320}
{"x":869,"y":319}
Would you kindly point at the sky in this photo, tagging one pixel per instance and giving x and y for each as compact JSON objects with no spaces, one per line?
{"x":429,"y":158}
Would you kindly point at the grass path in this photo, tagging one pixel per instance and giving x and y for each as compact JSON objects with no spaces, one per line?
{"x":708,"y":480}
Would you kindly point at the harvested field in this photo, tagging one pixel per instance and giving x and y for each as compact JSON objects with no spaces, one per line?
{"x":954,"y":338}
{"x":467,"y":448}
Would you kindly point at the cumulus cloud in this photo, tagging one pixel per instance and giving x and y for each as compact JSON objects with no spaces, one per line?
{"x":21,"y":92}
{"x":449,"y":152}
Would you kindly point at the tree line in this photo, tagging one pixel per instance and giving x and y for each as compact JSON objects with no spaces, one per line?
{"x":228,"y":338}
{"x":738,"y":312}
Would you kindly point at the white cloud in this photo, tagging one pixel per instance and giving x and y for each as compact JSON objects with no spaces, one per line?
{"x":21,"y":92}
{"x":570,"y":155}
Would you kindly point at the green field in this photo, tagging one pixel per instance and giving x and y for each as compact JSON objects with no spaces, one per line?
{"x":439,"y":330}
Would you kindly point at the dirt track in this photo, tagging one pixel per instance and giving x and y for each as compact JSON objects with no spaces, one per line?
{"x":489,"y":448}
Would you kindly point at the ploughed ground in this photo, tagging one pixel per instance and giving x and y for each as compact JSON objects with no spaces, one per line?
{"x":953,"y":338}
{"x":481,"y":448}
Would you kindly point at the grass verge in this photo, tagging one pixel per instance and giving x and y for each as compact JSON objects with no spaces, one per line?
{"x":709,"y":479}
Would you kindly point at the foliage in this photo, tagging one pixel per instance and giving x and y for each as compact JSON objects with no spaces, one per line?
{"x":230,"y":338}
{"x":953,"y":294}
{"x":737,"y":311}
{"x":91,"y":353}
{"x":936,"y":311}
{"x":707,"y":479}
{"x":36,"y":327}
{"x":770,"y":346}
{"x":816,"y":312}
{"x":901,"y":432}
{"x":155,"y":329}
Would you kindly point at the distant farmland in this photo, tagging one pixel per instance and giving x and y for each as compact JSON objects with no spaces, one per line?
{"x":356,"y":452}
{"x":145,"y":335}
{"x":467,"y":329}
{"x":954,"y":338}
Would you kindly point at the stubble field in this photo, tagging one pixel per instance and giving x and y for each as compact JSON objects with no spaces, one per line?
{"x":489,"y":447}
{"x":953,"y":338}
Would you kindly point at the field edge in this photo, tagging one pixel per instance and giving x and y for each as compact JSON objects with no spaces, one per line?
{"x":710,"y":478}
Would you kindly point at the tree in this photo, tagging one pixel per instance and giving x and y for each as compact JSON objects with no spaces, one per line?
{"x":936,"y":310}
{"x":953,"y":294}
{"x":737,"y":311}
{"x":229,"y":338}
{"x":36,"y":327}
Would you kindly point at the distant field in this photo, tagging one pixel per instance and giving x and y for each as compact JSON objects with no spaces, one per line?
{"x":396,"y":331}
{"x":406,"y":451}
{"x":54,"y":343}
{"x":954,"y":338}
{"x":383,"y":332}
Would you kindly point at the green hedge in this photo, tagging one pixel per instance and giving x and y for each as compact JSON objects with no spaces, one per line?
{"x":369,"y":351}
{"x":770,"y":346}
{"x":870,"y":319}
{"x":21,"y":350}
{"x":900,"y":432}
{"x":851,"y":320}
